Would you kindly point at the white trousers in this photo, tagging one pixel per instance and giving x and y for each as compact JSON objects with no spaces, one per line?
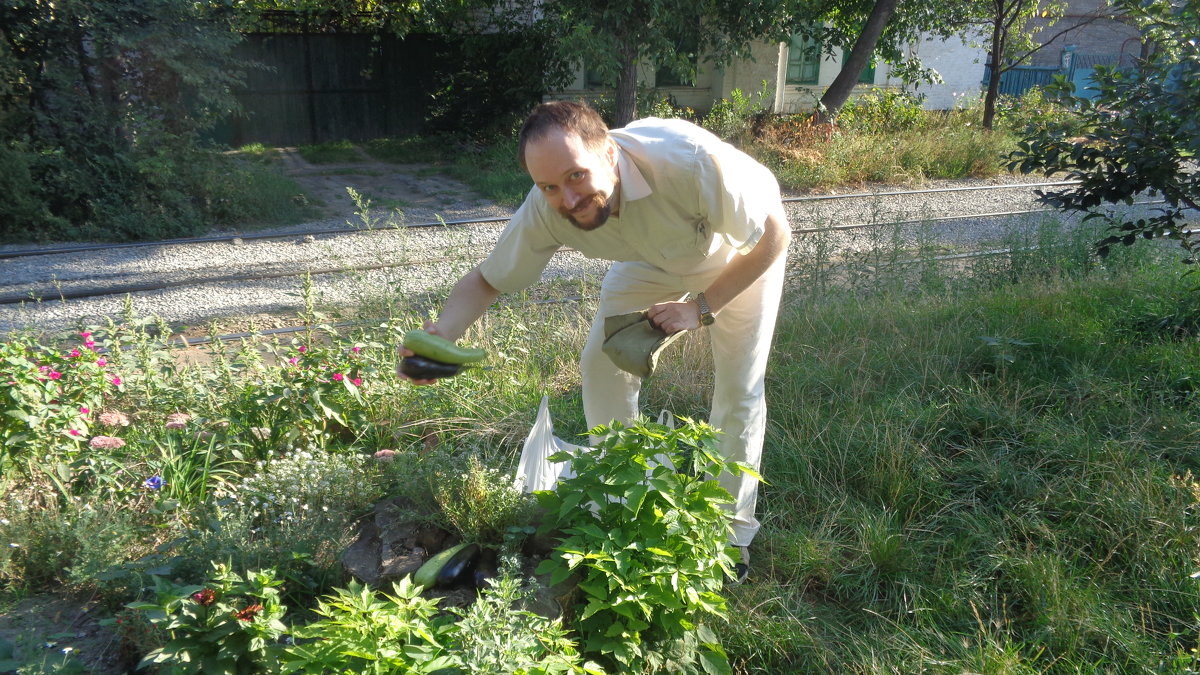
{"x":741,"y":342}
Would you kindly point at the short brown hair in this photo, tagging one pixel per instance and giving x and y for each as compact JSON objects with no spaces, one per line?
{"x":569,"y":115}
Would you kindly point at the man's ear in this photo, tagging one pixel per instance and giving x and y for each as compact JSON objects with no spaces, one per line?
{"x":610,"y":152}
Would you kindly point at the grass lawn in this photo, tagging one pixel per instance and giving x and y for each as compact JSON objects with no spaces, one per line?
{"x":988,"y":468}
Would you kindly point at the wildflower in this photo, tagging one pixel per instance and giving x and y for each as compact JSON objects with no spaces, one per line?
{"x":357,"y":381}
{"x":294,"y":360}
{"x":42,"y":369}
{"x":205,"y":597}
{"x":114,"y":419}
{"x":74,"y":353}
{"x":338,"y":377}
{"x":301,"y":349}
{"x":385,"y":455}
{"x":116,"y":381}
{"x":154,"y":482}
{"x":356,"y":349}
{"x":249,"y":613}
{"x":84,"y":410}
{"x":101,"y":362}
{"x":74,"y":432}
{"x":85,"y":335}
{"x":106,"y":442}
{"x":54,"y":375}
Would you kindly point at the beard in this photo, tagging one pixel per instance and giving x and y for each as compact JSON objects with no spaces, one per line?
{"x":601,"y":202}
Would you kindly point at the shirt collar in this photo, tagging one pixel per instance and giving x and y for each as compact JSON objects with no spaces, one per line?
{"x":633,"y":184}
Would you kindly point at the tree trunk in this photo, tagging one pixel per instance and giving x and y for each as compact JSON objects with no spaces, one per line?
{"x":993,"y":90}
{"x":627,"y":87}
{"x":860,"y":55}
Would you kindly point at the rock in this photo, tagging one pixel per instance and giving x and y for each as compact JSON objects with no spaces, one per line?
{"x":391,"y":544}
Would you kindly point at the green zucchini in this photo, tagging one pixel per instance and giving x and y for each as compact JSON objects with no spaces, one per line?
{"x":427,"y":575}
{"x":439,"y":348}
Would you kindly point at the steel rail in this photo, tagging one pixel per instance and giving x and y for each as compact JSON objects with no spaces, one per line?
{"x":89,"y":248}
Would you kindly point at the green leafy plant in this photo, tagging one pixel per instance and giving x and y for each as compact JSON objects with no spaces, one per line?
{"x":496,"y":635}
{"x":49,"y":400}
{"x":645,"y":534}
{"x":481,"y":502}
{"x":230,"y":625}
{"x":361,"y":631}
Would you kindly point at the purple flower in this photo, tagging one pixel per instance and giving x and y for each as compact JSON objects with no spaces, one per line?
{"x":153,"y":482}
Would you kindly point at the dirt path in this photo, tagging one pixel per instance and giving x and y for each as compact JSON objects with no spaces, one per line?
{"x":418,"y":191}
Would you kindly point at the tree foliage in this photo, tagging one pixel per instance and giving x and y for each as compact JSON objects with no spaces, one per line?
{"x":1140,"y":133}
{"x":100,"y":104}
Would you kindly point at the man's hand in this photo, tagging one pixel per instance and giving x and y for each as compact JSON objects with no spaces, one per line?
{"x":673,"y":317}
{"x":430,"y":328}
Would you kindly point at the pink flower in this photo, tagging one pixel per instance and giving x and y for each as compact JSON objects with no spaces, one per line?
{"x":89,"y":344}
{"x":357,"y":381}
{"x":85,"y":335}
{"x":54,"y":375}
{"x":74,"y":352}
{"x":84,"y":410}
{"x":42,"y":369}
{"x":338,"y":377}
{"x":116,"y":381}
{"x":101,"y":362}
{"x":74,"y":432}
{"x":114,"y":419}
{"x":356,"y":349}
{"x":385,"y":455}
{"x":106,"y":442}
{"x":301,"y":349}
{"x":294,"y":360}
{"x":177,"y":420}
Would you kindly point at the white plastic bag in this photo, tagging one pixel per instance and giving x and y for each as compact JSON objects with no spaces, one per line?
{"x":535,"y":471}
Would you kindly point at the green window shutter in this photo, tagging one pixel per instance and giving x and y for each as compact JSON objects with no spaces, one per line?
{"x":804,"y":61}
{"x":868,"y":73}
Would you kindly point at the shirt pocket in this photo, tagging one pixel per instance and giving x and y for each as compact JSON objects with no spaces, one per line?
{"x":684,"y":243}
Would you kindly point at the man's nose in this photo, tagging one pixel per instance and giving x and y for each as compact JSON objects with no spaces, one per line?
{"x":570,"y":198}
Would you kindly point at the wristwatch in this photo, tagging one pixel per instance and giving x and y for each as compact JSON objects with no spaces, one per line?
{"x":707,"y":318}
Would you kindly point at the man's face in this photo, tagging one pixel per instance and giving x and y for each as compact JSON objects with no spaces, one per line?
{"x":579,"y":183}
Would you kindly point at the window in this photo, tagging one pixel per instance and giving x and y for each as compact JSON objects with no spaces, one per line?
{"x":804,"y":60}
{"x":868,"y":73}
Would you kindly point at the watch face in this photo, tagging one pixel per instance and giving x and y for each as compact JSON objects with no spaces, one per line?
{"x":707,"y":319}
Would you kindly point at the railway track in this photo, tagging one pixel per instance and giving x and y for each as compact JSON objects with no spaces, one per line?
{"x":80,"y":282}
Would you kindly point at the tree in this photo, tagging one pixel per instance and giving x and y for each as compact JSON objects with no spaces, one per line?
{"x":1013,"y":27}
{"x":878,"y":30}
{"x":91,"y":89}
{"x":614,"y":37}
{"x":1140,"y":133}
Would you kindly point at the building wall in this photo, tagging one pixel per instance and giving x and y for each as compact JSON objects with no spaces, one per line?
{"x":958,"y":62}
{"x":960,"y":65}
{"x":1089,"y":34}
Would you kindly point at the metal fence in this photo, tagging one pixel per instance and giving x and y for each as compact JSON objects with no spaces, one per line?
{"x":311,"y":88}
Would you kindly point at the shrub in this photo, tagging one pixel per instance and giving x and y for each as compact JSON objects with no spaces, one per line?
{"x":645,"y":533}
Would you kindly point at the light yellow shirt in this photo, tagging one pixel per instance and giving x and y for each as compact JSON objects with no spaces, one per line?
{"x":689,"y":203}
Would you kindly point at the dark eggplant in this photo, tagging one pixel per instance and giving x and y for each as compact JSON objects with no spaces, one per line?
{"x":485,"y":569}
{"x":421,"y":368}
{"x":458,"y":569}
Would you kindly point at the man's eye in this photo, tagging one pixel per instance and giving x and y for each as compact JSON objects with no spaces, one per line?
{"x":578,"y":175}
{"x":549,"y":188}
